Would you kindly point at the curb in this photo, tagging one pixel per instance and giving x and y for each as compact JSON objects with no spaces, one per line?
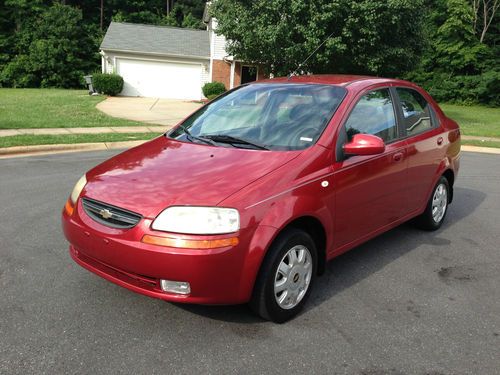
{"x":483,"y":150}
{"x":21,"y":151}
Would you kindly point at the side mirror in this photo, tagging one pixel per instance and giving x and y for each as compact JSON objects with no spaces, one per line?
{"x":364,"y":144}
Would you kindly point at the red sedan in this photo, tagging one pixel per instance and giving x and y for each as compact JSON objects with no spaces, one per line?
{"x":248,"y":198}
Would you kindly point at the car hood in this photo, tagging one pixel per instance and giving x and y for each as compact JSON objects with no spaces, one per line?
{"x":165,"y":172}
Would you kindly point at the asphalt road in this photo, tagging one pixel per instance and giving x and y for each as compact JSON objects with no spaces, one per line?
{"x":408,"y":302}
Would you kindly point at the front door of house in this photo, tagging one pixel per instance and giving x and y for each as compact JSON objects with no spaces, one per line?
{"x":248,"y":74}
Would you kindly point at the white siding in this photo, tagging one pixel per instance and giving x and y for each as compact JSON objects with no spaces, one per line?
{"x":217,"y":42}
{"x":205,"y":73}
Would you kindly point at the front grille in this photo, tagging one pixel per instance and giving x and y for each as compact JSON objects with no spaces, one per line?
{"x":109,"y":215}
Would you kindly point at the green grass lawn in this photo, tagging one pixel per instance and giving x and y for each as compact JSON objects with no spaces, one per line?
{"x":53,"y":108}
{"x":475,"y":120}
{"x":29,"y":140}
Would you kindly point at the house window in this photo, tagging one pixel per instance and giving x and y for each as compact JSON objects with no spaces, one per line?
{"x":248,"y":74}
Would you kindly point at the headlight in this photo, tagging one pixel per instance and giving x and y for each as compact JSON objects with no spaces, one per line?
{"x":198,"y":220}
{"x":78,"y":189}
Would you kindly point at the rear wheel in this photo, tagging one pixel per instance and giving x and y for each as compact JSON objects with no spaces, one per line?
{"x":436,"y":209}
{"x":286,"y":276}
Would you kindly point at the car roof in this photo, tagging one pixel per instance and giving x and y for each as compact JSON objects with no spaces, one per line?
{"x":334,"y":79}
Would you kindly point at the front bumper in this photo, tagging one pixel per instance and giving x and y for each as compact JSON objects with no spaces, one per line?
{"x":216,"y":276}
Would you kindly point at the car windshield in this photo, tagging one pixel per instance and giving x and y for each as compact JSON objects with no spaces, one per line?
{"x":264,"y":116}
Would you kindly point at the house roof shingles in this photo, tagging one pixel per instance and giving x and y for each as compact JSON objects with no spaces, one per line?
{"x":162,"y":40}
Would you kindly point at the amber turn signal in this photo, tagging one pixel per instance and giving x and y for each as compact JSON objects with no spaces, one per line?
{"x":190,"y":244}
{"x":69,"y":208}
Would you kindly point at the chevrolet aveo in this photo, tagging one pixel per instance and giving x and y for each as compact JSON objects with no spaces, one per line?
{"x":250,"y":196}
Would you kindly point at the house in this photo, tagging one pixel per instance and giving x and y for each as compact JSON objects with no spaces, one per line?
{"x":171,"y":62}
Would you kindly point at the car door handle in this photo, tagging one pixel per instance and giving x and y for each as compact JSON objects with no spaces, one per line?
{"x":440,"y":140}
{"x":398,"y":156}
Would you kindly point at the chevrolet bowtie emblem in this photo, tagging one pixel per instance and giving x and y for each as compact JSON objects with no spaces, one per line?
{"x":105,"y":213}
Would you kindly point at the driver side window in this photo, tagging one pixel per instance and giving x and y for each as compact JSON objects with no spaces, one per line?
{"x":373,"y":114}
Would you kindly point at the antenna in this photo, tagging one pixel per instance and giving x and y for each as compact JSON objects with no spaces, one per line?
{"x":308,"y":57}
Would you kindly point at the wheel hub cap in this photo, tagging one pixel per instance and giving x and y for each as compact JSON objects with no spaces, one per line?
{"x":439,"y":203}
{"x":293,"y":277}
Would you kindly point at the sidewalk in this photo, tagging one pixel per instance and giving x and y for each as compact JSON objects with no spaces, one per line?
{"x":479,"y":138}
{"x":63,"y":131}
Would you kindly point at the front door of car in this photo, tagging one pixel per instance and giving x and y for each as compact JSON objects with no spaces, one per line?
{"x":369,"y":189}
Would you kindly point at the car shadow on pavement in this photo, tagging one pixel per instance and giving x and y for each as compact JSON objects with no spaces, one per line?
{"x":226,"y":313}
{"x":362,"y":261}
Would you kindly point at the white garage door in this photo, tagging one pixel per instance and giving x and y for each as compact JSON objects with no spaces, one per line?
{"x":160,"y":79}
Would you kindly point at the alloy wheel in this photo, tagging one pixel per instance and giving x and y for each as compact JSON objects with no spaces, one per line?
{"x":439,"y":203}
{"x":293,"y":277}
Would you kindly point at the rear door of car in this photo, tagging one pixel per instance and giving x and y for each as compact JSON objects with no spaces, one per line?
{"x":425,"y":144}
{"x":370,"y":191}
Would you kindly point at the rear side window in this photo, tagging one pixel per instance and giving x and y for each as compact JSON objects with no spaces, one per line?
{"x":373,"y":114}
{"x":416,"y":111}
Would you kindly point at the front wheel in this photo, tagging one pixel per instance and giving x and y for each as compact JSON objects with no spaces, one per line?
{"x":286,"y":276}
{"x":436,"y":209}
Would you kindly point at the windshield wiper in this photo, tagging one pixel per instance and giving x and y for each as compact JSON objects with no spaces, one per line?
{"x":191,"y":136}
{"x":223,"y":138}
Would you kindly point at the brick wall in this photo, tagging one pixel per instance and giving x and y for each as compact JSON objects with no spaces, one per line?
{"x":221,"y":72}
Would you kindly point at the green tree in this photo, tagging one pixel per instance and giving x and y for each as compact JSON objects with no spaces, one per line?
{"x":484,"y":13}
{"x":366,"y":36}
{"x":6,"y":35}
{"x":52,"y":51}
{"x":54,"y":42}
{"x":187,"y":14}
{"x":456,"y":66}
{"x":456,"y":47}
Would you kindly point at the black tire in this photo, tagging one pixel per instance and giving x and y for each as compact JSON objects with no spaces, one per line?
{"x":426,"y":221}
{"x":263,"y":300}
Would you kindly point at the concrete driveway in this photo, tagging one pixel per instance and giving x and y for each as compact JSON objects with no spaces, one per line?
{"x":149,"y":110}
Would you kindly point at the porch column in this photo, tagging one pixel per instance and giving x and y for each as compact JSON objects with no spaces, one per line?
{"x":231,"y":76}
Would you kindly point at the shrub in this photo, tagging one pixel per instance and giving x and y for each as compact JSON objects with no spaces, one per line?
{"x":212,"y":96}
{"x":489,"y":88}
{"x":212,"y":89}
{"x":463,"y":89}
{"x":108,"y":84}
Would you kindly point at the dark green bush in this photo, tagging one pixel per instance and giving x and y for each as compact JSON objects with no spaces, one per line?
{"x":212,"y":89}
{"x":108,"y":84}
{"x":489,"y":88}
{"x":465,"y":89}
